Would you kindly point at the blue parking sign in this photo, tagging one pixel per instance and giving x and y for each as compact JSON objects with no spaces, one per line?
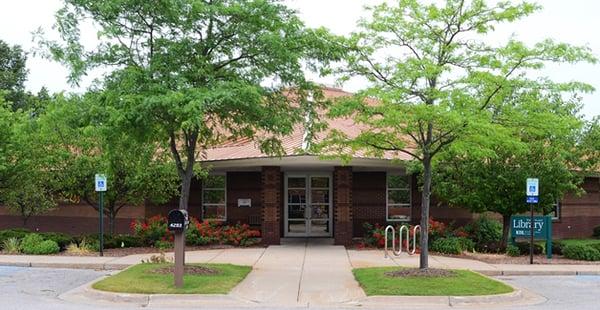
{"x":100,"y":182}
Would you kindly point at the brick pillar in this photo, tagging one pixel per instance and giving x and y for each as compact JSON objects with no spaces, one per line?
{"x":271,"y":202}
{"x":342,"y":205}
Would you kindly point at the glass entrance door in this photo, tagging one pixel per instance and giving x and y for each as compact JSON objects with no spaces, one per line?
{"x":308,"y":205}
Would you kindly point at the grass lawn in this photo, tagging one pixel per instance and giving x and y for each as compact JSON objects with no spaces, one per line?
{"x":464,"y":283}
{"x":140,"y":279}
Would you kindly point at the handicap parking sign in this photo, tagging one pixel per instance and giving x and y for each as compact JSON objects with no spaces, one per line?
{"x":532,"y":190}
{"x":100,"y":182}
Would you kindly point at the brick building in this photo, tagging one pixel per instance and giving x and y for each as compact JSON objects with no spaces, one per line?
{"x":300,"y":195}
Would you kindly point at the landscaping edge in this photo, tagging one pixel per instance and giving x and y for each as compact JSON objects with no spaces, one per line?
{"x":87,"y":294}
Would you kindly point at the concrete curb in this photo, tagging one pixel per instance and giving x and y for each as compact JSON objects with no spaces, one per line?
{"x":497,"y":273}
{"x":518,"y":297}
{"x":88,"y":295}
{"x":511,"y":297}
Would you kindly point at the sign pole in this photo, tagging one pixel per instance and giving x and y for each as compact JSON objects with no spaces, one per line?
{"x":101,"y":209}
{"x":531,"y":235}
{"x":532,"y":190}
{"x":101,"y":187}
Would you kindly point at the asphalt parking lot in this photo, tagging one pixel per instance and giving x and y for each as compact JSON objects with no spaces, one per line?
{"x":39,"y":288}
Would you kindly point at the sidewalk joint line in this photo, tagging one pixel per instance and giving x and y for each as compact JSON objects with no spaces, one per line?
{"x":260,"y":256}
{"x":302,"y":270}
{"x":215,"y":256}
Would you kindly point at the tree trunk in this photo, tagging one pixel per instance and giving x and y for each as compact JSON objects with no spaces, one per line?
{"x":186,"y":182}
{"x":505,"y":229}
{"x":425,"y":201}
{"x":112,"y":216}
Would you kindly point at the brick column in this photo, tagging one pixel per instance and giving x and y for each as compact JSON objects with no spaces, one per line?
{"x":342,"y":205}
{"x":271,"y":202}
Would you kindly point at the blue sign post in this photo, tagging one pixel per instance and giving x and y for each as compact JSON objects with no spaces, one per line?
{"x":532,"y":190}
{"x":101,"y":186}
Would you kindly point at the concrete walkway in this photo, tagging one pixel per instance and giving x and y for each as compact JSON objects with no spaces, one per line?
{"x":301,"y":272}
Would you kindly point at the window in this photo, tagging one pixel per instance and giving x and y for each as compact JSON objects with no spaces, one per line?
{"x":214,"y":201}
{"x":555,"y":211}
{"x":398,"y":198}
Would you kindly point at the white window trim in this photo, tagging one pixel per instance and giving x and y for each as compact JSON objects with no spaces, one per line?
{"x":224,"y":189}
{"x":387,"y":204}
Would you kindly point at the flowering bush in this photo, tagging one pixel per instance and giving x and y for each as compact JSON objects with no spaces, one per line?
{"x":154,"y":232}
{"x":210,"y":232}
{"x":437,"y":230}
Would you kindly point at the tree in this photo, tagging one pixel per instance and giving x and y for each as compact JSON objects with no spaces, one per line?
{"x":13,"y":74}
{"x":548,"y":130}
{"x":436,"y":83}
{"x":590,"y":145}
{"x":27,"y":187}
{"x":83,"y":144}
{"x":196,"y":73}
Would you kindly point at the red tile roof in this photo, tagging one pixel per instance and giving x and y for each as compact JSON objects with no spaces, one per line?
{"x":292,"y":144}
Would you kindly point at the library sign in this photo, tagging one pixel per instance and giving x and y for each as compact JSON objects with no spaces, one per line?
{"x":520,"y":227}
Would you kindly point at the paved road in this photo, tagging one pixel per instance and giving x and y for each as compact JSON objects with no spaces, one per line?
{"x":38,"y":288}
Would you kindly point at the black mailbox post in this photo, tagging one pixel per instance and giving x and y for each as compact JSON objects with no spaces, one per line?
{"x":177,"y":220}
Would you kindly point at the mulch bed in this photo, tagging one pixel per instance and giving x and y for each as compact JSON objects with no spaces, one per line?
{"x":425,"y":273}
{"x":189,"y":270}
{"x":120,"y":252}
{"x":537,"y":259}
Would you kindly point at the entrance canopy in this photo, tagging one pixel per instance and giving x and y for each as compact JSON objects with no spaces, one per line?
{"x":301,"y":163}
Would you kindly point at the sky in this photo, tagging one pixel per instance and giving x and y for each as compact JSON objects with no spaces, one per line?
{"x":571,"y":21}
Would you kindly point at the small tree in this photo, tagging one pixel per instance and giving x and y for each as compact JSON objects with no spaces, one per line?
{"x":437,"y":83}
{"x":83,"y":144}
{"x":548,"y":130}
{"x":27,"y":187}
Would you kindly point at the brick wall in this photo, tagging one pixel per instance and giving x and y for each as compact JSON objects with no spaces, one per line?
{"x":342,"y":205}
{"x":579,"y":215}
{"x":243,"y":185}
{"x":368,"y":203}
{"x":72,"y":219}
{"x":271,"y":197}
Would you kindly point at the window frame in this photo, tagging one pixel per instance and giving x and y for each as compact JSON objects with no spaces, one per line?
{"x":387,"y":202}
{"x":557,"y":205}
{"x":224,"y":204}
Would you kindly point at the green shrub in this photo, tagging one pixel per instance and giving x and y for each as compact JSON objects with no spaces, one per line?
{"x":12,"y":245}
{"x":581,"y":252}
{"x":557,"y":248}
{"x":163,"y":245}
{"x":123,"y":241}
{"x":47,"y":247}
{"x":512,"y":250}
{"x":524,"y":248}
{"x":466,"y":244}
{"x":597,"y":231}
{"x":595,"y":246}
{"x":35,"y":244}
{"x":451,"y":245}
{"x":63,"y":240}
{"x":485,"y":232}
{"x":18,"y":233}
